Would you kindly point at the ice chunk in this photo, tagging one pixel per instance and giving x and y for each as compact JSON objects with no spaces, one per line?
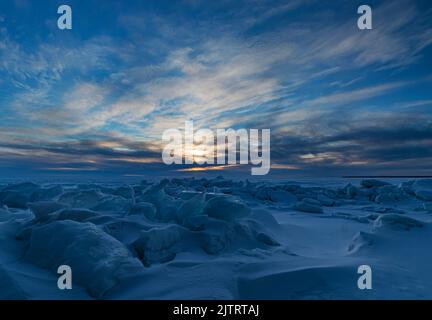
{"x":264,"y":218}
{"x":226,"y":208}
{"x":113,"y":204}
{"x":282,"y":196}
{"x":192,"y":207}
{"x":126,"y":192}
{"x":351,"y":191}
{"x":76,"y":214}
{"x":308,"y":205}
{"x":43,"y":209}
{"x":389,"y":194}
{"x":422,"y":189}
{"x":361,"y":240}
{"x":166,"y":206}
{"x":187,"y":195}
{"x":221,"y":236}
{"x":397,"y":222}
{"x":4,"y":214}
{"x":196,"y":223}
{"x":24,"y":188}
{"x":18,"y":195}
{"x":274,"y":194}
{"x":14,"y":199}
{"x":266,"y":239}
{"x":407,"y":187}
{"x":159,"y":245}
{"x":126,"y":231}
{"x":218,"y":237}
{"x":220,"y":182}
{"x":146,"y":209}
{"x":427,"y":206}
{"x":292,"y":187}
{"x":262,"y":194}
{"x":45,"y":194}
{"x":82,"y":199}
{"x":325,"y":201}
{"x":424,"y":195}
{"x":98,"y":261}
{"x":373,"y":183}
{"x":312,"y":201}
{"x":422,"y":184}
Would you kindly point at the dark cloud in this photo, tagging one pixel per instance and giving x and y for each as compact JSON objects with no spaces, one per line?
{"x":390,"y":142}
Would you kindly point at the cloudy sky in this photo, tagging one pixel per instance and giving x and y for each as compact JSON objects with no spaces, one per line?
{"x":95,"y":100}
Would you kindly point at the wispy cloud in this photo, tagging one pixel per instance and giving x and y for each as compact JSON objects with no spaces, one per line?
{"x":108,"y":96}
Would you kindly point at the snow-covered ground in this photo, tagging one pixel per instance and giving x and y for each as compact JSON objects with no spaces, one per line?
{"x":217,"y":239}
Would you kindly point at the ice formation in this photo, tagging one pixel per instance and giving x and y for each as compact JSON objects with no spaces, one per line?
{"x":243,"y":239}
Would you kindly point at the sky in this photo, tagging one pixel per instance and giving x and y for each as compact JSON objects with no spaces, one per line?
{"x":95,"y":100}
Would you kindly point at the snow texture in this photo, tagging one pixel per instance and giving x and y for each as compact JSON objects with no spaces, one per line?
{"x":217,"y":239}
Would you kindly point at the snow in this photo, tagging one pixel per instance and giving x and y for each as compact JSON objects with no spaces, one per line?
{"x":99,"y":260}
{"x":397,"y":222}
{"x":216,"y":238}
{"x":226,"y":208}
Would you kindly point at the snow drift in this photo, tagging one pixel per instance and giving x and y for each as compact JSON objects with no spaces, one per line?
{"x":237,"y":239}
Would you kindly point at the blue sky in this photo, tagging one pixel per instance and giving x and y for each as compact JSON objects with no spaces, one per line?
{"x":95,"y":100}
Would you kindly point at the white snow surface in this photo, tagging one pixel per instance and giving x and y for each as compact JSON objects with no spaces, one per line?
{"x":214,"y":238}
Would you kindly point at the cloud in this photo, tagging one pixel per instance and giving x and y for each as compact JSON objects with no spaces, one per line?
{"x":347,"y":97}
{"x":252,"y":66}
{"x":396,"y":140}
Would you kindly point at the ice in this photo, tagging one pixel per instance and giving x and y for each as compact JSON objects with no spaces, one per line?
{"x":360,"y":241}
{"x":24,"y":188}
{"x":275,"y":194}
{"x":424,"y":195}
{"x":217,"y":242}
{"x":389,"y":194}
{"x":43,"y":194}
{"x":126,"y":192}
{"x":282,"y":196}
{"x":82,"y":199}
{"x":236,"y":239}
{"x":195,"y":222}
{"x":192,"y":207}
{"x":372,"y":183}
{"x":265,"y":238}
{"x":351,"y":191}
{"x":99,"y":261}
{"x":397,"y":222}
{"x":19,"y":195}
{"x":43,"y":209}
{"x":427,"y":207}
{"x":75,"y":214}
{"x":226,"y":208}
{"x":325,"y":200}
{"x":187,"y":195}
{"x":166,"y":205}
{"x":115,"y":205}
{"x":146,"y":209}
{"x":421,"y":188}
{"x":159,"y":245}
{"x":422,"y":184}
{"x":14,"y":199}
{"x":309,"y":205}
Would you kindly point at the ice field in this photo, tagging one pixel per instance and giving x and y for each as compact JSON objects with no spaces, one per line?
{"x":186,"y":238}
